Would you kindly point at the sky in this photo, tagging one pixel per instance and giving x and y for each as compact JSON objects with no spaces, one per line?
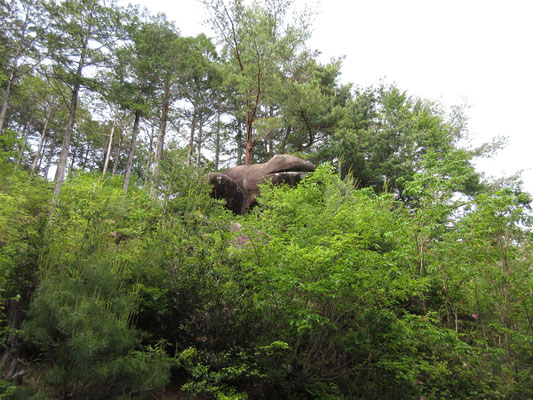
{"x":477,"y":53}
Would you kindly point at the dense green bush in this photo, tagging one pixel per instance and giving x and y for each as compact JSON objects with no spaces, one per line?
{"x":81,"y":318}
{"x":323,"y":291}
{"x":81,"y":321}
{"x":23,"y":206}
{"x":334,"y":275}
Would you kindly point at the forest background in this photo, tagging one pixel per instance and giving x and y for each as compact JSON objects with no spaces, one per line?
{"x":452,"y":51}
{"x":396,"y":270}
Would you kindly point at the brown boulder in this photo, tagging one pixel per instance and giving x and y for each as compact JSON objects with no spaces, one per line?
{"x":239,"y":186}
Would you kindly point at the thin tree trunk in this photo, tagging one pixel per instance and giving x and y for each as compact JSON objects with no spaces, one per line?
{"x":149,"y":161}
{"x":199,"y":149}
{"x":65,"y":148}
{"x":85,"y":158}
{"x":48,"y":162}
{"x":117,"y":153}
{"x":62,"y":165}
{"x":129,"y":164}
{"x":110,"y":143}
{"x":268,"y":138}
{"x":217,"y":143}
{"x":239,"y":142}
{"x":161,"y":131}
{"x":249,"y":142}
{"x":191,"y":139}
{"x":7,"y":95}
{"x":38,"y":167}
{"x":39,"y":155}
{"x":12,"y":76}
{"x":12,"y":341}
{"x":74,"y":155}
{"x":284,"y":141}
{"x":25,"y":133}
{"x":251,"y":111}
{"x":421,"y":271}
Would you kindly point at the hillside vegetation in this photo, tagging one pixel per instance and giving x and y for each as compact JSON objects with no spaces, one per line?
{"x":394,"y":271}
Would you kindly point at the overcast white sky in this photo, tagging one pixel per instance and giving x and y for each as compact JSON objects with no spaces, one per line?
{"x":478,"y":52}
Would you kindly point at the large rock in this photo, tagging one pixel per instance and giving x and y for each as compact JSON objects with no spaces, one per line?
{"x":239,"y":185}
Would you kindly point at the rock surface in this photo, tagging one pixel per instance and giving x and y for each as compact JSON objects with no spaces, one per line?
{"x":239,"y":186}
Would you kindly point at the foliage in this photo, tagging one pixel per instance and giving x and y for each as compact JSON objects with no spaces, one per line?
{"x":321,"y":291}
{"x":334,"y":274}
{"x":392,"y":271}
{"x":82,"y":313}
{"x":257,"y":42}
{"x":22,"y":223}
{"x":8,"y":142}
{"x":81,"y":318}
{"x":384,"y":135}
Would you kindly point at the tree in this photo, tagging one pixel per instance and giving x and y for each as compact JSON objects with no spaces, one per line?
{"x":257,"y":43}
{"x":200,"y":87}
{"x":165,"y":54}
{"x":306,"y":108}
{"x":25,"y":25}
{"x":435,"y":193}
{"x":486,"y":279}
{"x":38,"y":102}
{"x":89,"y":142}
{"x":79,"y":36}
{"x":384,"y":134}
{"x":135,"y":79}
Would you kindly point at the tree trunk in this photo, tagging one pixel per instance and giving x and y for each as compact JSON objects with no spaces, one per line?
{"x":217,"y":143}
{"x":23,"y":146}
{"x":108,"y":151}
{"x":85,"y":158}
{"x":12,"y":341}
{"x":117,"y":153}
{"x":62,"y":165}
{"x":149,"y":161}
{"x":161,"y":131}
{"x":239,"y":142}
{"x":284,"y":141}
{"x":191,"y":138}
{"x":39,"y":155}
{"x":12,"y":76}
{"x":199,"y":149}
{"x":249,"y":143}
{"x":7,"y":95}
{"x":129,"y":164}
{"x":74,"y":155}
{"x":48,"y":162}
